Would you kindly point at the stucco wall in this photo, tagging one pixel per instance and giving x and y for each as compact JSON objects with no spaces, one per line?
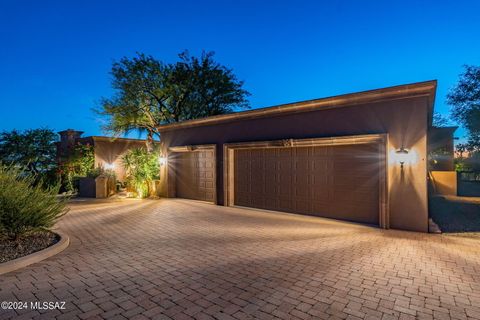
{"x":445,"y":182}
{"x":404,"y":120}
{"x":111,"y":152}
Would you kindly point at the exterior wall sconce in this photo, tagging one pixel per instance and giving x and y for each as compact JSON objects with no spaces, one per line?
{"x":162,"y":161}
{"x":109,"y":166}
{"x":402,"y":156}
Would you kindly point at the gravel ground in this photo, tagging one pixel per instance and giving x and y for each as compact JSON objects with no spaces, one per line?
{"x":456,"y":214}
{"x":34,"y":242}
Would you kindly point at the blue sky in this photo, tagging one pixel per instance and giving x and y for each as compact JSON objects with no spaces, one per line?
{"x":55,"y":55}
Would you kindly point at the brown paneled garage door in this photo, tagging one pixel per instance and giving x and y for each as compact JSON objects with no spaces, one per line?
{"x":195,"y":175}
{"x":340,"y":182}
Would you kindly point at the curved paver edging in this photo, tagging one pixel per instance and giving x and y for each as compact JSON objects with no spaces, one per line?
{"x":35,"y":257}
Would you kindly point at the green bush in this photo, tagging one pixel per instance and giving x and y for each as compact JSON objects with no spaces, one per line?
{"x":26,"y":206}
{"x":79,"y":163}
{"x":142,"y":168}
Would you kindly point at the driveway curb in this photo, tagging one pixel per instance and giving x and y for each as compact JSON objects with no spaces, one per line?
{"x":38,"y":256}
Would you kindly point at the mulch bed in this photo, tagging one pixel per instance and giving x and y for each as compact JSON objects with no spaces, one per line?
{"x":26,"y":245}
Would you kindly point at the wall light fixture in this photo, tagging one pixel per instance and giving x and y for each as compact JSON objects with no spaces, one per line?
{"x":402,"y":156}
{"x":162,"y":160}
{"x":109,"y":166}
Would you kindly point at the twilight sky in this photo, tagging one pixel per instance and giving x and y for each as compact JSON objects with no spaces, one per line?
{"x":55,"y":55}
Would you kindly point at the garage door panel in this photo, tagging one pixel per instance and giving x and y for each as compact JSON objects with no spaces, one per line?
{"x":209,"y":174}
{"x":284,"y":205}
{"x":285,"y":190}
{"x":319,"y":166}
{"x":320,"y":152}
{"x":242,"y":198}
{"x":209,"y":185}
{"x":258,"y":202}
{"x":271,"y":202}
{"x":210,"y":196}
{"x":339,"y":182}
{"x":243,"y":187}
{"x":302,"y":205}
{"x":272,"y":189}
{"x":195,"y":176}
{"x":258,"y":188}
{"x":320,"y":208}
{"x":353,"y":197}
{"x":301,"y":180}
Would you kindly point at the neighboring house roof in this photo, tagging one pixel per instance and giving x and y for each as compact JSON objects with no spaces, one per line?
{"x":113,"y":139}
{"x":420,"y":89}
{"x":447,"y":129}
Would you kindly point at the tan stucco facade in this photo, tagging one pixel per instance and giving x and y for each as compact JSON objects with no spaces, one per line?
{"x":444,"y":182}
{"x":109,"y":153}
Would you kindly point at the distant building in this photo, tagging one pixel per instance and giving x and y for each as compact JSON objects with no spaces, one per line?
{"x":441,"y":147}
{"x":108,"y":151}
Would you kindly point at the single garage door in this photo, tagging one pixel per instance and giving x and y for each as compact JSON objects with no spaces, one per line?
{"x":195,"y":176}
{"x":340,"y":182}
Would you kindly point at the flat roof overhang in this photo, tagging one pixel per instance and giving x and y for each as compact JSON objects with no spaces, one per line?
{"x":420,"y":89}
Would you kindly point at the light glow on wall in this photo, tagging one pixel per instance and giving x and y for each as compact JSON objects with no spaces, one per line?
{"x":399,"y":156}
{"x":162,"y":160}
{"x":109,"y":166}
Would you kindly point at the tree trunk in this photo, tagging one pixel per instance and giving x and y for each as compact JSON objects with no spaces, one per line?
{"x":149,"y":142}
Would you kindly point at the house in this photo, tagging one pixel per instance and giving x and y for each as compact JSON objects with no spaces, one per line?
{"x":108,"y":151}
{"x":360,"y":157}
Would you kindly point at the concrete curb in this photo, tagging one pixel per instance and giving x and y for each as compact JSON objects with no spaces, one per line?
{"x":433,"y":227}
{"x":35,"y":257}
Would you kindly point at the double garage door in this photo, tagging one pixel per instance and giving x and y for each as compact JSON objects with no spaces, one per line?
{"x":340,"y":181}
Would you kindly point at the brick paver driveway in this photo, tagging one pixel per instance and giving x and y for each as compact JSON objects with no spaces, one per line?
{"x":179,"y":259}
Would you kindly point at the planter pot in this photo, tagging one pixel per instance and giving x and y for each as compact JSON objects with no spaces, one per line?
{"x":99,"y":187}
{"x":87,"y":187}
{"x":154,"y":187}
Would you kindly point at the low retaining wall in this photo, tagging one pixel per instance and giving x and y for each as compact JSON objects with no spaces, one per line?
{"x":445,"y":182}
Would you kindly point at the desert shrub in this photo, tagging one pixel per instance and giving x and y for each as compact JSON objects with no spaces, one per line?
{"x":26,"y":206}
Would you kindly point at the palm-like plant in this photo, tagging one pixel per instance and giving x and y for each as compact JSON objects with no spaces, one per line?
{"x":142,"y":168}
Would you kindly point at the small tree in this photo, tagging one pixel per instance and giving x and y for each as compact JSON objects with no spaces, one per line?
{"x":33,"y":150}
{"x":149,"y":93}
{"x":142,"y":168}
{"x":465,"y":101}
